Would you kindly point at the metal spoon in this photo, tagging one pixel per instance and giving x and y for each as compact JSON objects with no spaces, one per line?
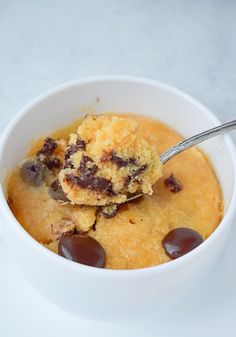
{"x":192,"y":141}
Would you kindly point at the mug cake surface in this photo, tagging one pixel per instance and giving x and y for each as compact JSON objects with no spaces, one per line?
{"x":122,"y":236}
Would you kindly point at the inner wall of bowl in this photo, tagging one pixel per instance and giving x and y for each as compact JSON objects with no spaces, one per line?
{"x":69,"y":103}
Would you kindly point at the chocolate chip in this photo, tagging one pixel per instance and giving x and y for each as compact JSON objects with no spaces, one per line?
{"x":48,"y":147}
{"x":118,"y":161}
{"x":108,"y":211}
{"x":127,"y":181}
{"x":102,"y":185}
{"x":87,"y":166}
{"x":32,"y":172}
{"x":135,"y":168}
{"x":53,"y":163}
{"x":91,"y":182}
{"x":173,"y":184}
{"x":79,"y":145}
{"x":82,"y":249}
{"x":139,"y":170}
{"x":180,"y":241}
{"x":55,"y":191}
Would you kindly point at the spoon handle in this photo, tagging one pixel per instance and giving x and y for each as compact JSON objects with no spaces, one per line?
{"x":194,"y":140}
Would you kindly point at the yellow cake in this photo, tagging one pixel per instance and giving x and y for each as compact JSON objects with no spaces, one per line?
{"x":132,"y":235}
{"x":107,"y":160}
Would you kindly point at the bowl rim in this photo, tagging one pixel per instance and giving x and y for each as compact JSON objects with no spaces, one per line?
{"x":114,"y":273}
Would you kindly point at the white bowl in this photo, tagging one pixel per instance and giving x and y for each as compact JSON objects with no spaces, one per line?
{"x":101,"y":293}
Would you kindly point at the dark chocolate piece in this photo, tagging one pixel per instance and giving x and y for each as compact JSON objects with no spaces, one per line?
{"x":127,"y":181}
{"x":48,"y":147}
{"x":87,"y":166}
{"x":180,"y":241}
{"x":173,"y":184}
{"x":55,"y":191}
{"x":79,"y":145}
{"x":92,"y":182}
{"x":53,"y":163}
{"x":32,"y":172}
{"x":83,"y":249}
{"x":139,"y":170}
{"x":118,"y":161}
{"x":135,"y":168}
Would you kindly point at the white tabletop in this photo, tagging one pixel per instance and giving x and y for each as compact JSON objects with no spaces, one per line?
{"x":188,"y":44}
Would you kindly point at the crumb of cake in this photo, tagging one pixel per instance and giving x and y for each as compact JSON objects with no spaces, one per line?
{"x":108,"y":211}
{"x":106,"y":161}
{"x":59,"y":228}
{"x":84,"y":218}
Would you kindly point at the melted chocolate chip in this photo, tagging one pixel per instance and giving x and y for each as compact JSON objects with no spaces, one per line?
{"x":135,"y":168}
{"x":108,"y":211}
{"x":87,"y":166}
{"x":55,"y":191}
{"x":53,"y":163}
{"x":118,"y":161}
{"x":82,"y":249}
{"x":180,"y":241}
{"x":32,"y":172}
{"x":133,"y":161}
{"x":79,"y":145}
{"x":48,"y":147}
{"x":139,"y":170}
{"x":92,"y":182}
{"x":127,"y":181}
{"x":173,"y":184}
